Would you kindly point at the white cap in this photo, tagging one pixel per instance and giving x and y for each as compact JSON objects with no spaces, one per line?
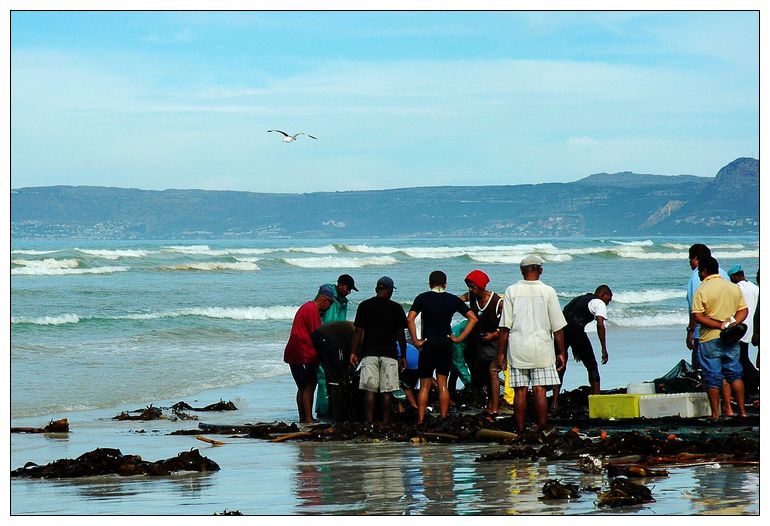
{"x":531,"y":260}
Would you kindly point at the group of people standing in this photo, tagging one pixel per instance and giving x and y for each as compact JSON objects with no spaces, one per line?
{"x":524,"y":332}
{"x":719,"y":300}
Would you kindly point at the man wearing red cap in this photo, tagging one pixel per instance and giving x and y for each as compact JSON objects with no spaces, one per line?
{"x":482,"y":341}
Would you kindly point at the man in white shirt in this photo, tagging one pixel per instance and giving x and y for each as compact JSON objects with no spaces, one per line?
{"x":530,"y":323}
{"x":751,"y":297}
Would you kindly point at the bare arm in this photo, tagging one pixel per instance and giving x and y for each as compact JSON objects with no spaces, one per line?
{"x":561,"y":357}
{"x":472,"y":319}
{"x":358,"y":337}
{"x":502,"y":345}
{"x":601,"y":331}
{"x":402,"y":344}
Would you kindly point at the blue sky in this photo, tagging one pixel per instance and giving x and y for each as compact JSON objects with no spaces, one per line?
{"x":158,"y":100}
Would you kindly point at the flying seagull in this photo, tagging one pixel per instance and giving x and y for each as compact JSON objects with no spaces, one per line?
{"x":290,"y":138}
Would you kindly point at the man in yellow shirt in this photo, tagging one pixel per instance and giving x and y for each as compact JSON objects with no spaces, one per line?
{"x":716,"y":305}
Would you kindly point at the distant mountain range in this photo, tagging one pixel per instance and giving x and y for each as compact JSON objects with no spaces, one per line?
{"x":619,"y":204}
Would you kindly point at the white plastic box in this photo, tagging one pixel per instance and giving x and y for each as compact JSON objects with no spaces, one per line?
{"x":642,"y":388}
{"x":686,"y":405}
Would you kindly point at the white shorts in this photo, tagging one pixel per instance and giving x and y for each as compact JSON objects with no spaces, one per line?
{"x":542,"y":376}
{"x":379,"y":374}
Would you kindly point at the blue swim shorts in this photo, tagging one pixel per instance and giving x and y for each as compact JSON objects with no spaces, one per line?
{"x":719,"y":361}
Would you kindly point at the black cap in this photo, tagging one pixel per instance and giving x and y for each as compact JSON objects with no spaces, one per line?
{"x":347,"y":279}
{"x":385,"y":283}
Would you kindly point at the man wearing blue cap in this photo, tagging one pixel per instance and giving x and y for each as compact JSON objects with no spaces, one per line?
{"x":379,"y":334}
{"x":751,"y":297}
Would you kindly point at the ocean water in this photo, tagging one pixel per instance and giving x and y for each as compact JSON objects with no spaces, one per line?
{"x":100,"y":327}
{"x":98,"y":324}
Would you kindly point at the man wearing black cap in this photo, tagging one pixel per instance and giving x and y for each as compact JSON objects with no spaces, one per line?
{"x":379,"y":333}
{"x":337,"y":312}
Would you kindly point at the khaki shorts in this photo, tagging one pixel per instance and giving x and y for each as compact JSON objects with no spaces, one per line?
{"x":379,"y":374}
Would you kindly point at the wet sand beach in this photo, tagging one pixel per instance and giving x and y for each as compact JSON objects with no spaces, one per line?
{"x":259,"y":477}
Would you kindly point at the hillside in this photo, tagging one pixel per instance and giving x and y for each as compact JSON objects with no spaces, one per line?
{"x":621,"y":204}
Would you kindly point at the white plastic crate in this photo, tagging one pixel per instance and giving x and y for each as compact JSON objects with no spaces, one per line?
{"x":642,"y":388}
{"x":686,"y":405}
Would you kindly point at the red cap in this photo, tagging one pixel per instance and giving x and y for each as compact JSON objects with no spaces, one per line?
{"x":478,"y":278}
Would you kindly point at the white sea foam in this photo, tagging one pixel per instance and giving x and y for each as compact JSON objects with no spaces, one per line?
{"x":48,"y":320}
{"x":48,"y":263}
{"x":57,"y":267}
{"x":189,"y":249}
{"x":654,"y":320}
{"x":114,"y":254}
{"x":647,"y":296}
{"x":214,"y":265}
{"x":646,"y":243}
{"x":340,"y":262}
{"x":33,"y":252}
{"x":738,"y":254}
{"x":366,"y":249}
{"x":277,"y":312}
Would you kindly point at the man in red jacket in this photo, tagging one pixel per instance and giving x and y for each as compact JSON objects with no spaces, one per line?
{"x":300,"y":353}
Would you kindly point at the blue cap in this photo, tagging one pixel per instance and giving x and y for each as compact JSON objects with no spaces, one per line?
{"x":734,"y":270}
{"x":326,"y":290}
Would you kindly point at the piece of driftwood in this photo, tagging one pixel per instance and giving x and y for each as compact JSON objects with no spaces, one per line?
{"x":108,"y":461}
{"x":218,"y":406}
{"x":210,"y":440}
{"x":54,"y":426}
{"x":292,"y":436}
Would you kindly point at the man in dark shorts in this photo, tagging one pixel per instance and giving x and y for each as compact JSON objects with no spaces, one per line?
{"x":379,"y":334}
{"x":300,"y":353}
{"x":579,"y":312}
{"x":437,"y":308}
{"x":332,"y":342}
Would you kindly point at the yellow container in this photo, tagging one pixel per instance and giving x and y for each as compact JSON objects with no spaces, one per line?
{"x":614,"y":406}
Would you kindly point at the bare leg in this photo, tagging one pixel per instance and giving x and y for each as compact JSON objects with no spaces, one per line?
{"x":386,"y":404}
{"x":422,"y":398}
{"x":739,"y":392}
{"x":727,"y":409}
{"x":300,"y":405}
{"x":494,"y":389}
{"x":370,"y":401}
{"x":410,"y":397}
{"x":443,"y":395}
{"x":541,"y":405}
{"x":595,"y":387}
{"x":713,"y":393}
{"x":520,"y":406}
{"x":307,"y":403}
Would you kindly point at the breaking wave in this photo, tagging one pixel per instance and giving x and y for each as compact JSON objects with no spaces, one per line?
{"x":214,"y":265}
{"x":57,"y":267}
{"x":647,"y":296}
{"x":340,"y":262}
{"x":277,"y":312}
{"x":114,"y":254}
{"x":47,"y":320}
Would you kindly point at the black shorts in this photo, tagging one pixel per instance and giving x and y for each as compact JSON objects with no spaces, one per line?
{"x":435,"y":355}
{"x":304,"y":375}
{"x":409,"y":378}
{"x":583,"y":351}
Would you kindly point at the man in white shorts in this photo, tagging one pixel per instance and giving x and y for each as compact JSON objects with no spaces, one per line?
{"x":379,"y":328}
{"x":531,"y":322}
